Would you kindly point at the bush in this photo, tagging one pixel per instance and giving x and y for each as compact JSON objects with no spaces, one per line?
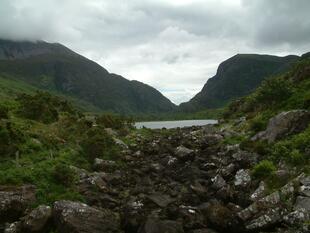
{"x":64,"y":174}
{"x":296,"y":157}
{"x":264,"y":169}
{"x":273,"y":91}
{"x":259,"y":147}
{"x":114,"y":121}
{"x":10,"y":138}
{"x":4,"y":112}
{"x":43,"y":107}
{"x":96,"y":143}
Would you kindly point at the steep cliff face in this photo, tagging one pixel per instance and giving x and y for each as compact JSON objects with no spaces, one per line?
{"x":55,"y":67}
{"x":236,"y":77}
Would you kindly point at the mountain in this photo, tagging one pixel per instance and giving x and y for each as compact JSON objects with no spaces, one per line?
{"x":237,"y":77}
{"x":53,"y":67}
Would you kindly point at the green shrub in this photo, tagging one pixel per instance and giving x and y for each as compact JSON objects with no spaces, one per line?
{"x":258,"y":124}
{"x":296,"y":157}
{"x":273,"y":91}
{"x":43,"y":107}
{"x":10,"y":138}
{"x":259,"y":147}
{"x":114,"y":121}
{"x":263,"y":169}
{"x":4,"y":112}
{"x":96,"y":143}
{"x":64,"y":174}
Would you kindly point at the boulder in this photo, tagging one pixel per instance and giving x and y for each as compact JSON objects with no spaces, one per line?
{"x":184,"y":153}
{"x":303,"y":203}
{"x":297,"y":217}
{"x":14,"y":201}
{"x":284,"y":124}
{"x":120,"y":143}
{"x":269,"y":219}
{"x":259,"y":192}
{"x":219,"y":216}
{"x":218,"y":182}
{"x":212,"y":139}
{"x":38,"y":220}
{"x":14,"y":227}
{"x":76,"y":217}
{"x":161,"y":200}
{"x":104,"y":165}
{"x":242,"y":178}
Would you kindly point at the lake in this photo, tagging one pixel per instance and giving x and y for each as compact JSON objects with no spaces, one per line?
{"x":173,"y":124}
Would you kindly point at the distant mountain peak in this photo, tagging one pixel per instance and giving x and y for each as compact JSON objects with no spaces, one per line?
{"x":52,"y":66}
{"x":236,"y":77}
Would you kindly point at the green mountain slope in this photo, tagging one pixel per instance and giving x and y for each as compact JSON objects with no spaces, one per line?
{"x":236,"y":77}
{"x":54,"y":67}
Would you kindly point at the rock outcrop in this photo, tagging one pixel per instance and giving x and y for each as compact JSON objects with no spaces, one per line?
{"x":284,"y":124}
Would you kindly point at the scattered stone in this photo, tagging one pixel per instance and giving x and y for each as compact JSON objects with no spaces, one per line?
{"x":76,"y":217}
{"x":242,"y":178}
{"x":14,"y":201}
{"x":160,"y":199}
{"x":218,"y":182}
{"x":120,"y":143}
{"x":259,"y":192}
{"x":303,"y":203}
{"x":297,"y":217}
{"x":184,"y":153}
{"x":37,"y":220}
{"x":14,"y":227}
{"x":104,"y":165}
{"x":212,"y":139}
{"x":265,"y":221}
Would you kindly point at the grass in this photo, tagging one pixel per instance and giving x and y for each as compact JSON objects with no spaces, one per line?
{"x":41,"y":153}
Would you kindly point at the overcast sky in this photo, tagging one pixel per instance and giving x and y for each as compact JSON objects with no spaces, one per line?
{"x":173,"y":45}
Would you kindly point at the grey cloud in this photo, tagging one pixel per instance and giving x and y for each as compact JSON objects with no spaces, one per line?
{"x":164,"y":43}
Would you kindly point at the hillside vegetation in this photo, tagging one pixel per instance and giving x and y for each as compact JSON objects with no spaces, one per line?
{"x":282,"y":93}
{"x":236,"y":77}
{"x":42,"y":136}
{"x":53,"y":67}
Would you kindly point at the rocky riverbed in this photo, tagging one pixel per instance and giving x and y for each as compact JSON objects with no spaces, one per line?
{"x":174,"y":181}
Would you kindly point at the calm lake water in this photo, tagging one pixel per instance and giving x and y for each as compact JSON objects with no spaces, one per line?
{"x":173,"y":124}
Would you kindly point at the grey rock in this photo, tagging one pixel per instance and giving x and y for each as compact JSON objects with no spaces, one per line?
{"x":265,"y":221}
{"x":184,"y":153}
{"x":212,"y":139}
{"x":14,"y":201}
{"x":245,"y":158}
{"x":218,"y":182}
{"x":120,"y":143}
{"x":14,"y":227}
{"x":284,"y":124}
{"x":104,"y":165}
{"x":259,"y":192}
{"x":161,"y":200}
{"x":297,"y":217}
{"x":242,"y":178}
{"x":76,"y":217}
{"x":302,"y":203}
{"x":228,"y":170}
{"x":37,"y":220}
